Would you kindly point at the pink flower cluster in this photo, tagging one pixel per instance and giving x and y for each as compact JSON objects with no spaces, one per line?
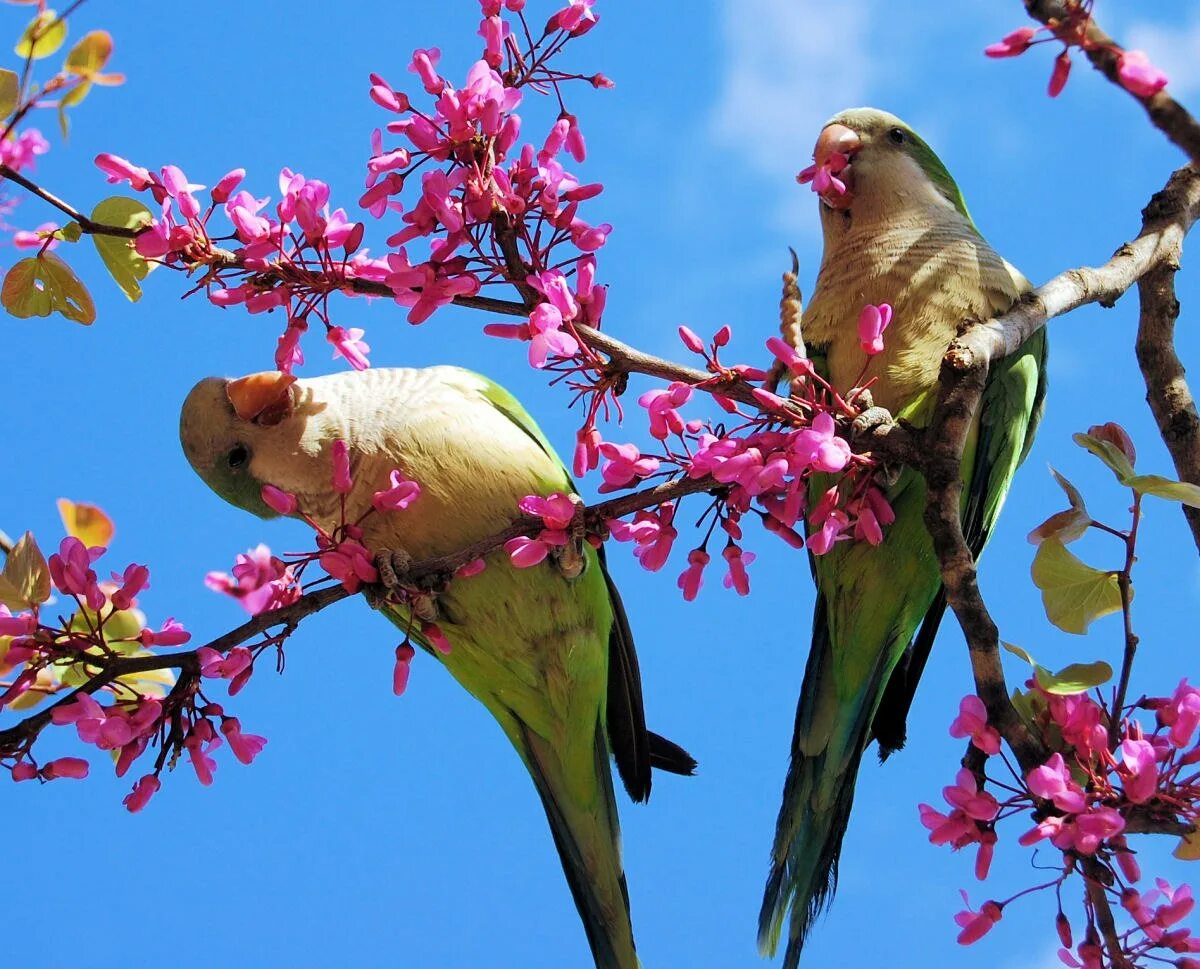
{"x":1134,"y":71}
{"x":260,"y":581}
{"x":1082,"y":799}
{"x":556,"y":511}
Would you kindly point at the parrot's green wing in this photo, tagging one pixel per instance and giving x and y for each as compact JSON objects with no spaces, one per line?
{"x":634,"y":748}
{"x":853,"y":694}
{"x":1009,"y":413}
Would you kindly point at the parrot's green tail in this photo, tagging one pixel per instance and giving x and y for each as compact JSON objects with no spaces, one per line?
{"x":589,"y":845}
{"x":827,"y":746}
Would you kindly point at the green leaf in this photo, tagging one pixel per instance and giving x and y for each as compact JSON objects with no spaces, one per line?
{"x":26,"y":576}
{"x":1076,"y":678}
{"x":43,"y":284}
{"x":1188,"y":848}
{"x":90,"y":54}
{"x":1107,"y":452}
{"x":44,"y":35}
{"x":1073,"y":593}
{"x":1067,"y":525}
{"x":1168,"y":488}
{"x":121,"y":259}
{"x":71,"y":232}
{"x":10,"y":92}
{"x":1018,"y":651}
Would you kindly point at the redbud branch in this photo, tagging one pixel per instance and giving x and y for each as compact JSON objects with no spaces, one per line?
{"x":86,"y":224}
{"x":1166,"y":114}
{"x":595,"y":516}
{"x":1166,"y":219}
{"x":1167,"y":390}
{"x":1093,"y":874}
{"x":111,"y":670}
{"x":1125,"y":585}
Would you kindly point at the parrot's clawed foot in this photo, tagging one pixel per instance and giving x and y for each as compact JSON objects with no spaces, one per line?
{"x":570,"y":559}
{"x":869,"y":419}
{"x":420,"y":592}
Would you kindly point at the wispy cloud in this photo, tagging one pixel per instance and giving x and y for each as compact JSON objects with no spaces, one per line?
{"x":1175,"y":49}
{"x":789,"y":65}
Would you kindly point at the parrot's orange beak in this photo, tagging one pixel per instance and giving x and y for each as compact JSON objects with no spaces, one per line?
{"x":833,"y":179}
{"x":264,"y":398}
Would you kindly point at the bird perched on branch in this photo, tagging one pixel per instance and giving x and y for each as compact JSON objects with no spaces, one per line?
{"x":547,"y":649}
{"x":896,"y":231}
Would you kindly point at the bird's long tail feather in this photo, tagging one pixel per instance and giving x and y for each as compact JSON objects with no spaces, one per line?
{"x":827,"y":746}
{"x":588,"y":839}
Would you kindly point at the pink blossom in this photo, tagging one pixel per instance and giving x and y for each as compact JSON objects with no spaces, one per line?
{"x":819,"y":447}
{"x":288,"y":354}
{"x":24,"y":771}
{"x":972,"y":722}
{"x":824,"y":177}
{"x":119,"y":170}
{"x":1080,"y":720}
{"x":227,"y":186}
{"x":339,"y":453}
{"x":172,"y":633}
{"x":399,"y":494}
{"x":202,"y":763}
{"x":260,"y":581}
{"x":279,"y":500}
{"x":350,"y":563}
{"x":349,"y":344}
{"x":1058,"y":77}
{"x":145,"y":788}
{"x":424,"y":63}
{"x":1181,"y":713}
{"x":975,"y":925}
{"x":1052,"y":781}
{"x":71,"y":571}
{"x":693,"y":576}
{"x":245,"y":746}
{"x":625,"y":464}
{"x":872,"y":321}
{"x":133,"y":581}
{"x":965,"y":795}
{"x":224,"y":666}
{"x":788,"y":355}
{"x":1012,"y":44}
{"x":576,"y":18}
{"x":1137,"y":75}
{"x":954,"y":829}
{"x":691,"y":340}
{"x":1094,"y":828}
{"x":525,"y":552}
{"x":20,"y":625}
{"x":664,"y":417}
{"x":1139,"y":771}
{"x":737,"y":578}
{"x":556,"y":511}
{"x":435,"y":637}
{"x":587,"y":450}
{"x":404,"y":655}
{"x":72,"y":767}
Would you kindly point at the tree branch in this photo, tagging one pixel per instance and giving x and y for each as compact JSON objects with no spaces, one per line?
{"x":1165,"y":113}
{"x":1167,"y":390}
{"x":963,"y":377}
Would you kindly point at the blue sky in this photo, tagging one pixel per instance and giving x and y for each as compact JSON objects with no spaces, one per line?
{"x":384,"y":831}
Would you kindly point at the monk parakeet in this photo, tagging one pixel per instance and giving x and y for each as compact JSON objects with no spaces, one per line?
{"x":550,"y":656}
{"x":896,"y":230}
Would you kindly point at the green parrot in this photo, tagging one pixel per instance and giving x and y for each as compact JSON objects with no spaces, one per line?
{"x":895,"y":231}
{"x":546,"y":649}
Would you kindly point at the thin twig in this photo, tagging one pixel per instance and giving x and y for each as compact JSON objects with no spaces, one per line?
{"x":962,"y":380}
{"x":1165,"y":113}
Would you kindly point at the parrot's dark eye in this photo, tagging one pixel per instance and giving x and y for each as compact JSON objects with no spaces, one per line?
{"x":897,"y":136}
{"x":238,"y":456}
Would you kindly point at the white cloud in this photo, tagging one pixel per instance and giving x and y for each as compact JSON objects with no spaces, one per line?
{"x":789,"y":65}
{"x":1174,"y":49}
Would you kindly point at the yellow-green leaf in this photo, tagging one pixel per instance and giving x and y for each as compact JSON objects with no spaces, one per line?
{"x":1076,"y":678}
{"x":90,"y":54}
{"x":88,"y":523}
{"x":71,"y":232}
{"x":44,"y":35}
{"x":1065,"y":525}
{"x":121,"y":259}
{"x":43,"y":284}
{"x":26,"y":570}
{"x":1188,"y":848}
{"x":1107,"y":452}
{"x":1073,"y":593}
{"x":148,"y":682}
{"x":11,"y":596}
{"x":10,"y":92}
{"x":1168,"y":488}
{"x":1018,"y":651}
